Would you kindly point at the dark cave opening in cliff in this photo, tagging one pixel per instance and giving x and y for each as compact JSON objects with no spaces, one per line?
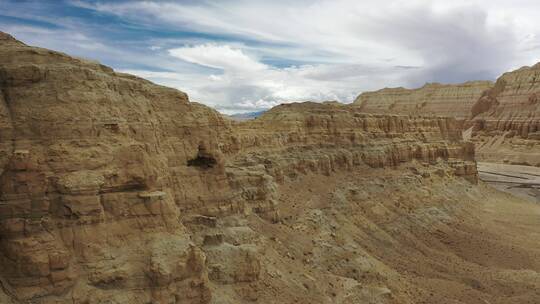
{"x":203,"y":162}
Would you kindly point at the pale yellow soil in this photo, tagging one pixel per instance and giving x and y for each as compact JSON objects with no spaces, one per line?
{"x":381,"y":236}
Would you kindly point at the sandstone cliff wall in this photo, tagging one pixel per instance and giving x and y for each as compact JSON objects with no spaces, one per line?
{"x":505,"y":120}
{"x":431,"y":99}
{"x":116,"y":190}
{"x":375,"y":140}
{"x":512,"y":104}
{"x":92,"y":179}
{"x":502,"y":117}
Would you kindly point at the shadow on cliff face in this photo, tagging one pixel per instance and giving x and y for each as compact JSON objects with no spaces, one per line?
{"x":203,"y":160}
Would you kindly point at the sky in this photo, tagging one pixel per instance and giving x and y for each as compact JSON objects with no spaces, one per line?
{"x":247,"y":55}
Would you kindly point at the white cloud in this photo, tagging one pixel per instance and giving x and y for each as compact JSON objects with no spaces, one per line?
{"x":358,"y":47}
{"x":249,"y":85}
{"x":218,"y":56}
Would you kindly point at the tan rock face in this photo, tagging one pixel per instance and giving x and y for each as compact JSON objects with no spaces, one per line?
{"x":431,"y":99}
{"x":117,"y":190}
{"x":503,"y":116}
{"x":311,"y":132}
{"x":506,"y":119}
{"x":94,"y":171}
{"x":514,"y":96}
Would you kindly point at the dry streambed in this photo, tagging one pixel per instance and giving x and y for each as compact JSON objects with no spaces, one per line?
{"x":521,"y":181}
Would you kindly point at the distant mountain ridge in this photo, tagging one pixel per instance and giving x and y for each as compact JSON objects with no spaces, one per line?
{"x":247,"y":116}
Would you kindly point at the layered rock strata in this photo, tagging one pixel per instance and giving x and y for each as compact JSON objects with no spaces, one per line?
{"x":117,"y":190}
{"x":453,"y":100}
{"x":512,"y":104}
{"x":500,"y":118}
{"x":506,"y":119}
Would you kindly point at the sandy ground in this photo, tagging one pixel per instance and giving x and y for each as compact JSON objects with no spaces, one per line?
{"x":367,"y":238}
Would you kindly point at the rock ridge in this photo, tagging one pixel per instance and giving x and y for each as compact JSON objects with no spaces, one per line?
{"x":501,"y":117}
{"x":437,"y":99}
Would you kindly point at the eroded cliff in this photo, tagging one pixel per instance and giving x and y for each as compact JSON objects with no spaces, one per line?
{"x":506,"y":119}
{"x":500,"y":118}
{"x":432,"y":99}
{"x":117,"y":190}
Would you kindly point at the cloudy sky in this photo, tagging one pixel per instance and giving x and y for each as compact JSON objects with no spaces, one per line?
{"x":248,"y":55}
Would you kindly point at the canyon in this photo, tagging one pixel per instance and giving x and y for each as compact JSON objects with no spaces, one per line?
{"x":501,"y":118}
{"x":117,"y":190}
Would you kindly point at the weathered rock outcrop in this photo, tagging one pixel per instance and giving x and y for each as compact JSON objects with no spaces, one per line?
{"x":512,"y":104}
{"x":93,"y":167}
{"x":452,"y":100}
{"x":506,"y":119}
{"x":326,"y":137}
{"x":504,"y":116}
{"x":117,"y":190}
